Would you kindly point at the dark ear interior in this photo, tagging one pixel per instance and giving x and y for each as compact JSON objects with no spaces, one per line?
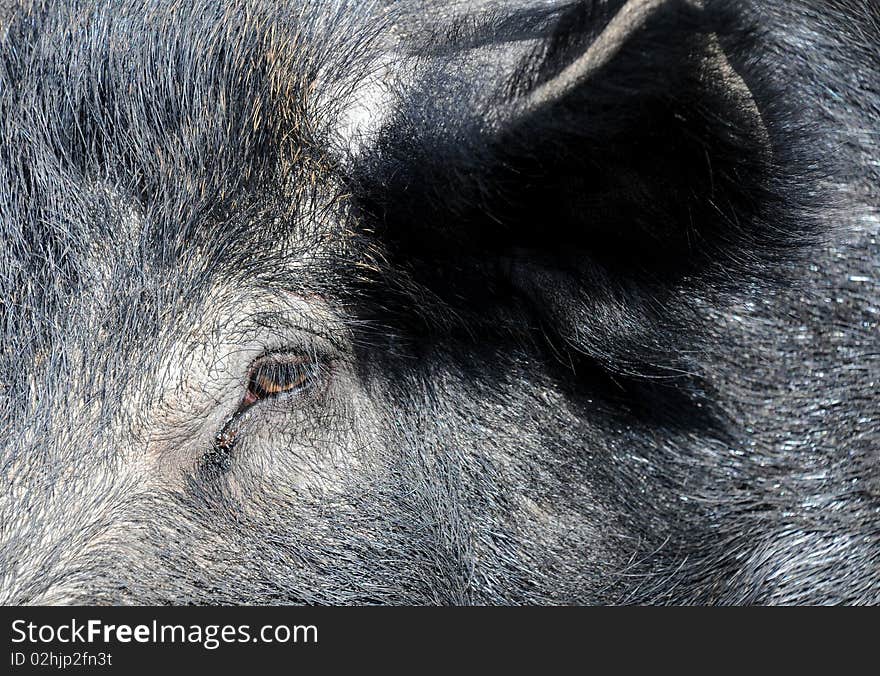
{"x":622,"y":165}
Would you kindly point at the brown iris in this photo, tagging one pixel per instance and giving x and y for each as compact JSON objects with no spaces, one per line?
{"x":271,"y":378}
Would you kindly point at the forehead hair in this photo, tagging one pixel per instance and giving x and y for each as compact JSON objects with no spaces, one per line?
{"x":177,"y":110}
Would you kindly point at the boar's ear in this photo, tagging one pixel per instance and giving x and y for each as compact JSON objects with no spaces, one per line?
{"x":623,"y":166}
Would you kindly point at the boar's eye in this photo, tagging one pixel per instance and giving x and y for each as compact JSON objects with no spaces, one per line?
{"x":270,"y":377}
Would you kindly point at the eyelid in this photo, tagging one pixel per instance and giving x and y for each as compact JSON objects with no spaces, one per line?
{"x":319,"y":336}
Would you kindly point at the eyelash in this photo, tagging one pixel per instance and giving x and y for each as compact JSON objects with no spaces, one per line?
{"x":270,"y":377}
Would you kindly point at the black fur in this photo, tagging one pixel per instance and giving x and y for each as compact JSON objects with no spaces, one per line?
{"x":618,"y":348}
